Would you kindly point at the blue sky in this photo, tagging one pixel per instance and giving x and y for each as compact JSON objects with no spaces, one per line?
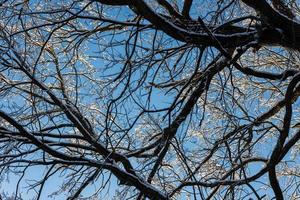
{"x":159,"y":99}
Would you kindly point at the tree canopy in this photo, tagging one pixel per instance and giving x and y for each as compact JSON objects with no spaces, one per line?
{"x":150,"y":99}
